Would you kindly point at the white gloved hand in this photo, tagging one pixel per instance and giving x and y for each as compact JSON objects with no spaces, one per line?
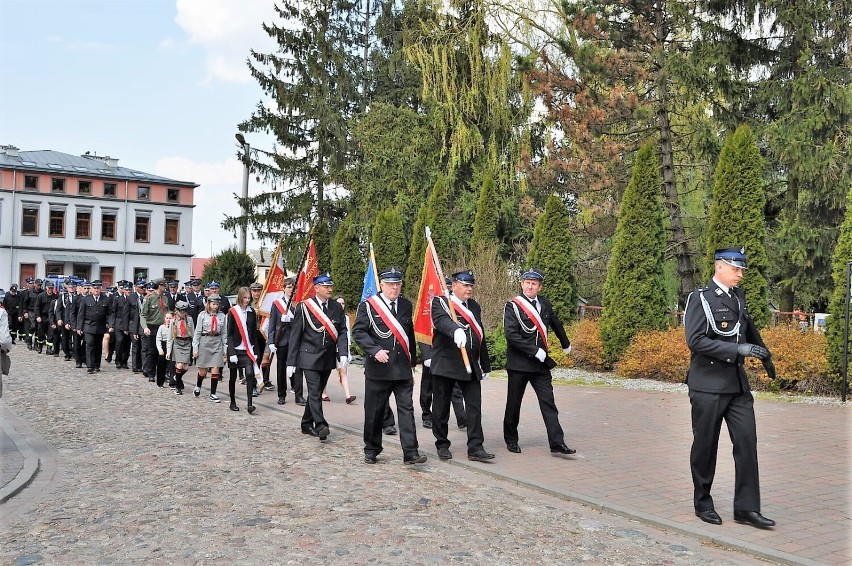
{"x":287,"y":318}
{"x":427,"y":363}
{"x":540,"y":355}
{"x":485,"y":375}
{"x":273,"y":348}
{"x":291,"y":371}
{"x":459,"y":337}
{"x":567,"y":350}
{"x":344,"y":361}
{"x":233,"y":359}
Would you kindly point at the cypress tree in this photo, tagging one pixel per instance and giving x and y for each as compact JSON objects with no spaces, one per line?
{"x":837,"y":307}
{"x":439,"y":220}
{"x":389,"y":241}
{"x":322,"y":241}
{"x":487,"y":214}
{"x":634,"y":298}
{"x":736,"y":216}
{"x":347,"y":265}
{"x":416,"y":253}
{"x":232,"y":269}
{"x":552,"y":251}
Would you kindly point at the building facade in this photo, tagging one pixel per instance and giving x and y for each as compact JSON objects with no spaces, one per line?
{"x":64,"y":214}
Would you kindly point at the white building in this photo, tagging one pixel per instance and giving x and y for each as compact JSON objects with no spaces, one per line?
{"x":86,"y":216}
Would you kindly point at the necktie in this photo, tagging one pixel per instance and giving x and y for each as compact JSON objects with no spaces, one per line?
{"x":464,"y":303}
{"x":325,"y":308}
{"x":393,"y":307}
{"x":162,"y":304}
{"x":183,"y":327}
{"x":214,"y":324}
{"x":535,"y":305}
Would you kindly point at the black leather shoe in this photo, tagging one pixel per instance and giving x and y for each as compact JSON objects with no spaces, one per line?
{"x":79,"y":366}
{"x":480,"y":456}
{"x":753,"y":518}
{"x":310,"y":432}
{"x":562,"y":449}
{"x":90,"y":370}
{"x":281,"y":400}
{"x":322,"y":432}
{"x":152,"y":380}
{"x":389,"y":430}
{"x":419,"y":459}
{"x":445,"y":454}
{"x":513,"y":447}
{"x":251,"y":409}
{"x":427,"y":423}
{"x":234,"y":407}
{"x":301,"y":401}
{"x":462,"y":426}
{"x":709,"y":516}
{"x":369,"y":458}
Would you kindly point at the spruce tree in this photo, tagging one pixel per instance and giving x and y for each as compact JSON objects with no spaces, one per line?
{"x":232,"y":269}
{"x":552,"y":252}
{"x":736,"y":216}
{"x":416,"y":254}
{"x":487,"y":214}
{"x":837,"y":307}
{"x":322,"y":242}
{"x":438,"y":218}
{"x":389,"y":242}
{"x":347,"y":265}
{"x":634,"y":297}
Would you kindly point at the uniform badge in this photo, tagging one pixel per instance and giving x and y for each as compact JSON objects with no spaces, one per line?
{"x":719,"y":292}
{"x":723,"y":325}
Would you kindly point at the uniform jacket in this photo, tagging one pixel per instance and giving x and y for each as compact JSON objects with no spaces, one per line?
{"x":92,"y":315}
{"x":152,"y":314}
{"x":523,"y":339}
{"x":72,"y":312}
{"x":12,"y":304}
{"x":31,"y":300}
{"x":136,"y":301}
{"x":312,"y":349}
{"x":171,"y":299}
{"x":234,"y":338}
{"x":279,"y":329}
{"x":446,"y":357}
{"x":121,"y":313}
{"x":367,"y":332}
{"x":196,"y":305}
{"x":714,"y":365}
{"x":203,"y":328}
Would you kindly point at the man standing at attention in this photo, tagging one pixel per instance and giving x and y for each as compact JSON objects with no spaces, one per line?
{"x":721,"y":334}
{"x":384,"y":329}
{"x":526,"y":319}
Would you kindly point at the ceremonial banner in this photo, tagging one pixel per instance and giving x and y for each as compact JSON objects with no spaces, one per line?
{"x":431,"y":285}
{"x":371,"y":278}
{"x":310,"y":269}
{"x":273,"y":287}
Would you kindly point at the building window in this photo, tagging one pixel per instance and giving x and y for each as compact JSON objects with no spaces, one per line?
{"x":27,"y":270}
{"x":140,"y":273}
{"x":84,"y":225}
{"x":109,"y":189}
{"x":82,"y":270}
{"x":143,"y":193}
{"x":108,"y":276}
{"x":107,"y":226}
{"x":142,"y":234}
{"x":172,"y":229}
{"x":29,"y":225}
{"x":170,"y":274}
{"x":53,"y":269}
{"x":173,"y":195}
{"x":57,"y":185}
{"x":84,"y":187}
{"x":56,"y":228}
{"x":31,"y":182}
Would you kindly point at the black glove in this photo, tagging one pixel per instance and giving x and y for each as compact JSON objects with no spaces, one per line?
{"x":753,"y":350}
{"x":769,"y":367}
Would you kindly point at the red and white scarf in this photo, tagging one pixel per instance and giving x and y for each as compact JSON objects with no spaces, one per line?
{"x":315,"y":309}
{"x":468,"y":317}
{"x":392,"y":323}
{"x":534,"y":315}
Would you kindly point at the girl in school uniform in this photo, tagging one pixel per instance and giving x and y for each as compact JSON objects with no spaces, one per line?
{"x":179,"y":346}
{"x":209,"y":344}
{"x":243,"y":344}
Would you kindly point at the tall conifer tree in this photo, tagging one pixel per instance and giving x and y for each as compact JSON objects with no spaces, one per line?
{"x":347,"y":265}
{"x":389,"y":242}
{"x":837,"y":308}
{"x":634,"y":296}
{"x":736,"y":216}
{"x":552,"y":251}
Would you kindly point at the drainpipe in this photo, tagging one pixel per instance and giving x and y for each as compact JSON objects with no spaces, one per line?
{"x":126,"y":227}
{"x":14,"y":230}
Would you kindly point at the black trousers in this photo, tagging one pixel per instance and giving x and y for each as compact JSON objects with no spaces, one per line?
{"x":244,"y":363}
{"x":94,"y":349}
{"x":67,"y":341}
{"x":136,"y":348}
{"x":149,"y":357}
{"x":426,"y":399}
{"x":122,"y":348}
{"x":542,"y":384}
{"x":708,"y":410}
{"x":376,"y":398}
{"x":79,"y":347}
{"x":295,"y":381}
{"x":313,"y":416}
{"x":442,"y":394}
{"x":14,"y":327}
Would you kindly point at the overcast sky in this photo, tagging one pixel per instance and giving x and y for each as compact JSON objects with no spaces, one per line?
{"x":159,"y":84}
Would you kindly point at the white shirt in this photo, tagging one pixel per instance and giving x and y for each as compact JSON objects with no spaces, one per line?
{"x":243,"y":318}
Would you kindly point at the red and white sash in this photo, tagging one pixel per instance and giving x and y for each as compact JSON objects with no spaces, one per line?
{"x":282,"y":308}
{"x":534,"y":315}
{"x":235,"y":314}
{"x":392,"y":323}
{"x":468,"y":317}
{"x":316,"y":310}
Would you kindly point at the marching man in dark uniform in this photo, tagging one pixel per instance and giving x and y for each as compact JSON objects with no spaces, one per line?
{"x":526,"y":319}
{"x":138,"y":343}
{"x":121,"y":323}
{"x":92,"y":324}
{"x":67,"y":302}
{"x":12,"y":305}
{"x":448,"y":367}
{"x":318,"y":339}
{"x":73,"y":317}
{"x":721,"y":334}
{"x":384,"y":329}
{"x":280,"y":317}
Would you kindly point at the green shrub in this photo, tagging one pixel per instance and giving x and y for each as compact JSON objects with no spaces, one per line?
{"x":496,"y":340}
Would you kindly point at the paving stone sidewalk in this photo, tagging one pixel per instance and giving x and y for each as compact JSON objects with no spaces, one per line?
{"x":145,"y":476}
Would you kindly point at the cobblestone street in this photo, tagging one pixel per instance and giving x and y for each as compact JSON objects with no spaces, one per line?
{"x":136,"y":474}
